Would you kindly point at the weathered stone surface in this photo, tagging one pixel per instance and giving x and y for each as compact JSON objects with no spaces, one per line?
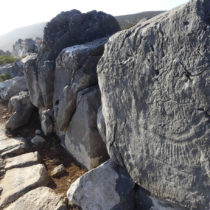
{"x":42,"y":198}
{"x":82,"y":138}
{"x":75,"y":71}
{"x":154,"y":80}
{"x":18,"y":181}
{"x":38,"y":140}
{"x":47,"y":123}
{"x":105,"y":187}
{"x":12,"y":87}
{"x":46,"y":82}
{"x":101,"y":124}
{"x":73,"y":27}
{"x":21,"y":108}
{"x":12,"y":146}
{"x":58,"y":171}
{"x":31,"y":77}
{"x":24,"y":160}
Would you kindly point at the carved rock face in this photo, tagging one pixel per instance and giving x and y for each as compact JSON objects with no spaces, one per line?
{"x":155,"y":85}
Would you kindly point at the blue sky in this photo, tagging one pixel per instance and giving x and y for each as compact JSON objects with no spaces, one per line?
{"x":18,"y":13}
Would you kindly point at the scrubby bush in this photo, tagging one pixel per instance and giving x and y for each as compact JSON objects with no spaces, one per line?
{"x":7,"y":59}
{"x":4,"y":77}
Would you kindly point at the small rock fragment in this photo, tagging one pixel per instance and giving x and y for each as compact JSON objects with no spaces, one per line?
{"x":47,"y":122}
{"x":38,"y":132}
{"x":38,"y":140}
{"x":58,"y":171}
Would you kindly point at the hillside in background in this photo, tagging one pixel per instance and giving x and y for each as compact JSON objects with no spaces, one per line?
{"x":32,"y":31}
{"x":126,"y":21}
{"x":36,"y":30}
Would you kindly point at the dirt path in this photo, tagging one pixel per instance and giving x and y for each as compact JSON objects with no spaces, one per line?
{"x":48,"y":152}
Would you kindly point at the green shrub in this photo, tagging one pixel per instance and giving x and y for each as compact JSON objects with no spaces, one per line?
{"x":4,"y":77}
{"x":7,"y":59}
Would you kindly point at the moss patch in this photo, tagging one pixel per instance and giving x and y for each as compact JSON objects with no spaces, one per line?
{"x":4,"y":77}
{"x":7,"y":59}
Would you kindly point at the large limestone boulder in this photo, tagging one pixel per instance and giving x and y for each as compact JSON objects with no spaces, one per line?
{"x":82,"y":139}
{"x":105,"y":187}
{"x":12,"y":87}
{"x":42,"y":198}
{"x":19,"y":181}
{"x":73,"y":27}
{"x":75,"y":71}
{"x":21,"y":108}
{"x":154,"y":80}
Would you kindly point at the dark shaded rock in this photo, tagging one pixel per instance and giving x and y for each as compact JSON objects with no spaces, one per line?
{"x":101,"y":124}
{"x":82,"y":139}
{"x":154,"y":82}
{"x":75,"y":71}
{"x":73,"y":28}
{"x":144,"y":201}
{"x":21,"y":108}
{"x":106,"y":187}
{"x":38,"y":132}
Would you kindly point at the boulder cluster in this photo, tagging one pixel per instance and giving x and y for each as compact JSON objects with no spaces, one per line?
{"x":132,"y":106}
{"x":26,"y":47}
{"x":63,"y":84}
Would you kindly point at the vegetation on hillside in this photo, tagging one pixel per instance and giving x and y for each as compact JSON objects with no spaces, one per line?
{"x":4,"y":77}
{"x":127,"y":21}
{"x":7,"y":59}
